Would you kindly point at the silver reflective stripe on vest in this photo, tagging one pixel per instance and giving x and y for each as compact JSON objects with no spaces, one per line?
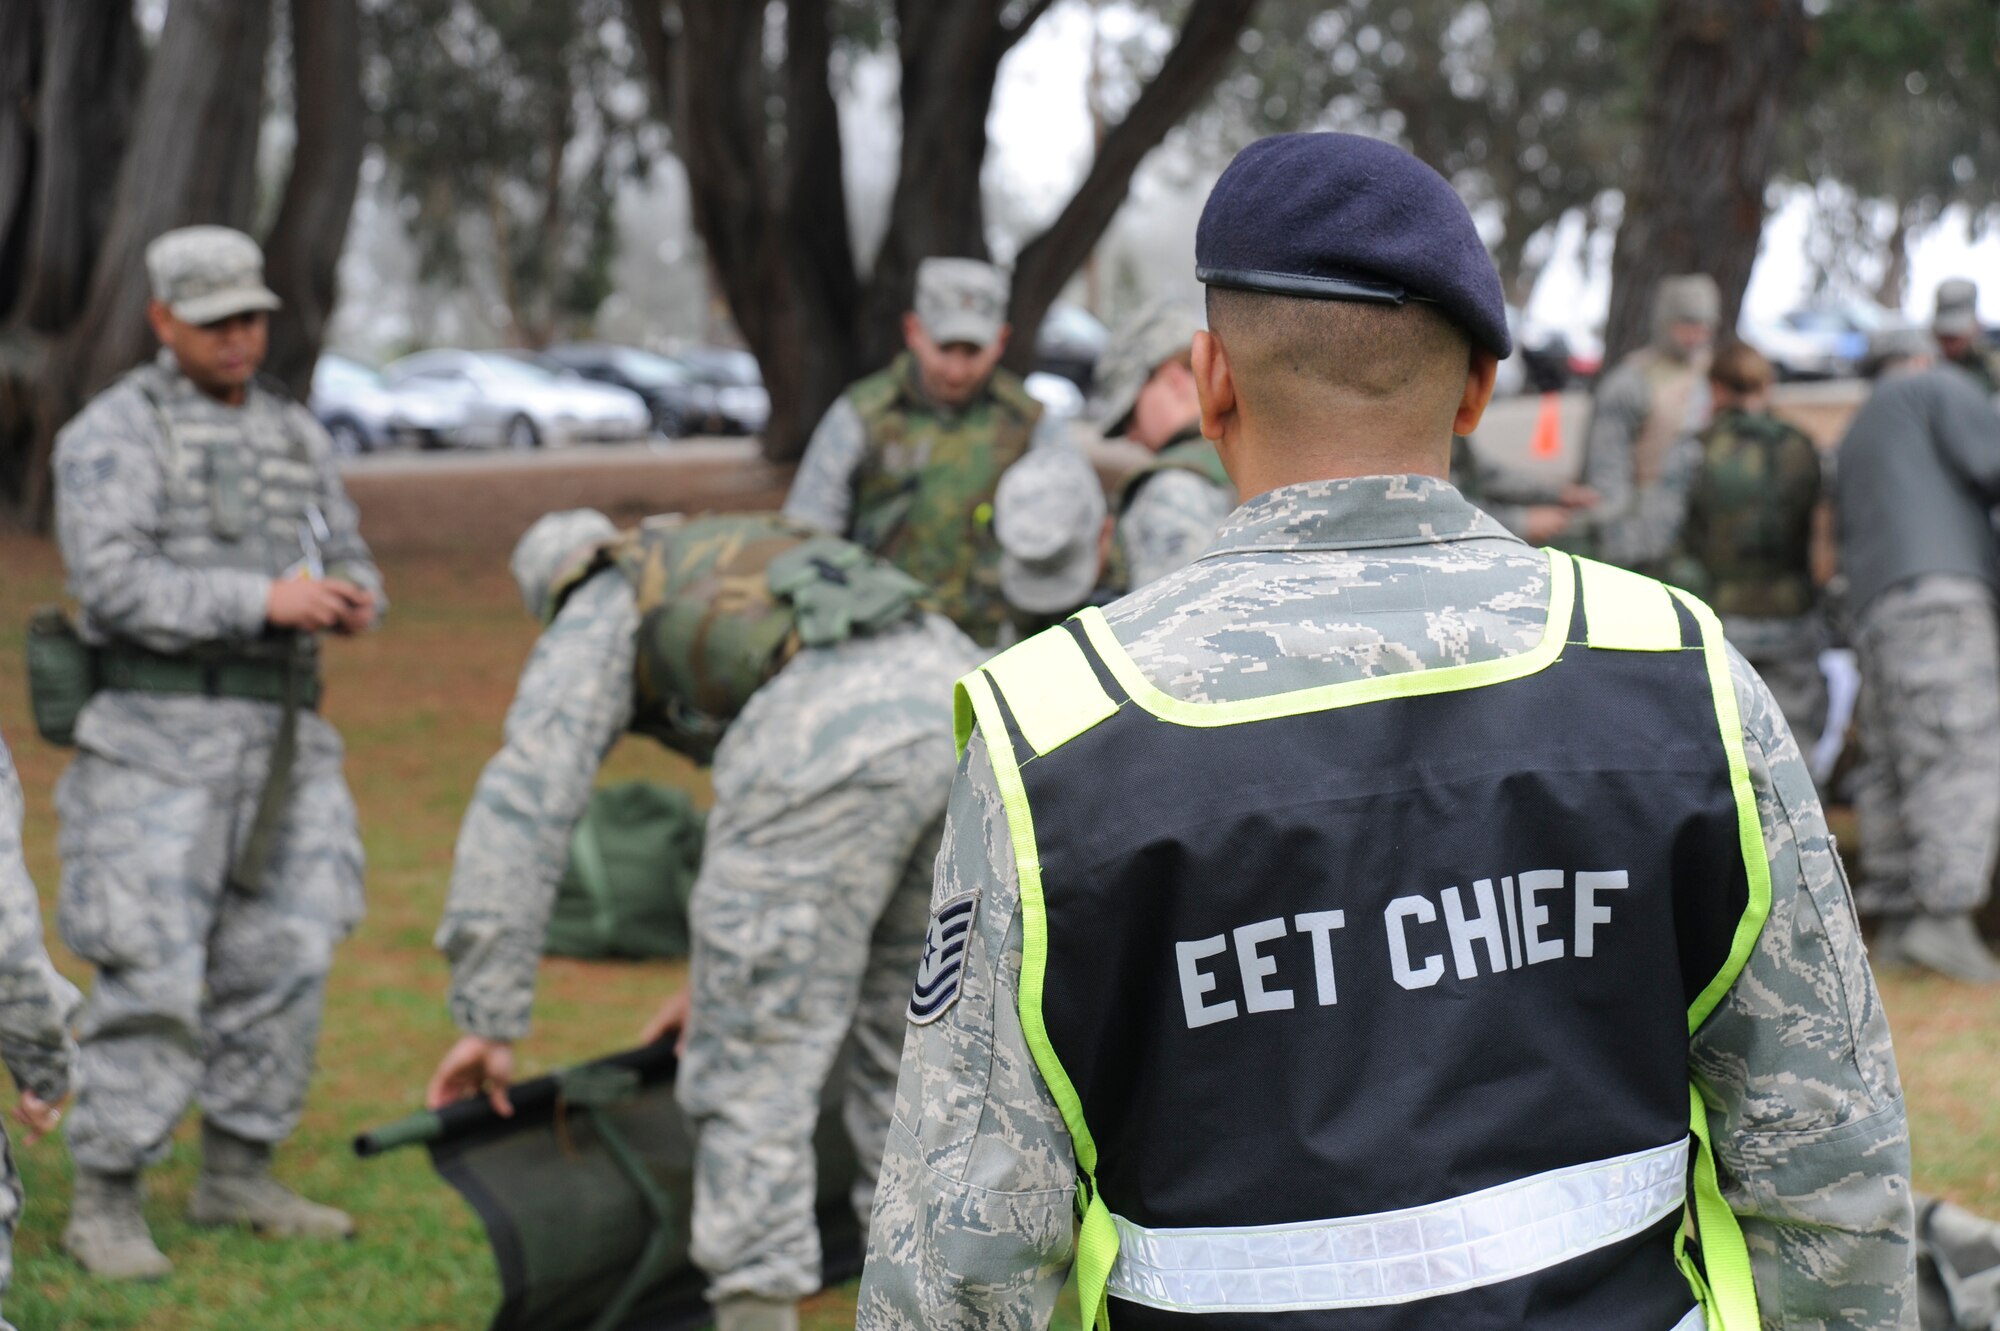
{"x":1399,"y":1256}
{"x":1694,"y":1321}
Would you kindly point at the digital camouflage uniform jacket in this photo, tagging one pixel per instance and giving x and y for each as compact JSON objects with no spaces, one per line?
{"x":36,"y":1004}
{"x":1339,"y":580}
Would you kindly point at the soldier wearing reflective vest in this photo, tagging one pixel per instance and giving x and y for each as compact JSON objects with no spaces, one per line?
{"x":1169,"y":507}
{"x":1380,"y":924}
{"x":807,"y":671}
{"x":906,"y":462}
{"x":211,"y":859}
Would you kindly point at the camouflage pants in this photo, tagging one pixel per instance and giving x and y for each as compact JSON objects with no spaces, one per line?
{"x":1928,"y":793}
{"x":11,"y":1199}
{"x":807,"y":922}
{"x":202,"y":989}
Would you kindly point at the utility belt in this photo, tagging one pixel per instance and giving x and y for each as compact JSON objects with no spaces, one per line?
{"x":293,"y":678}
{"x":65,"y":672}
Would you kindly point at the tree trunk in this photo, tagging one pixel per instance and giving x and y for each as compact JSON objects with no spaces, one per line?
{"x":771,"y":208}
{"x":302,"y":253}
{"x":1720,"y":82}
{"x":1207,"y":42}
{"x":192,"y":158}
{"x":1895,"y":283}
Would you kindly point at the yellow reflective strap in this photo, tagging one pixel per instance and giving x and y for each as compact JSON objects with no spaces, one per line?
{"x":1097,"y":1237}
{"x":1731,"y":1302}
{"x":962,"y":717}
{"x":1749,"y":824}
{"x":1096,"y":1251}
{"x":1625,"y":612}
{"x":1051,"y":689}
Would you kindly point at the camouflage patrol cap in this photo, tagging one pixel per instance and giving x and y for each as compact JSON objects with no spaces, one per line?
{"x":1048,"y":514}
{"x":1689,"y":298}
{"x":550,"y":547}
{"x":961,"y":300}
{"x":1957,"y":308}
{"x":206,"y":273}
{"x":1139,"y":346}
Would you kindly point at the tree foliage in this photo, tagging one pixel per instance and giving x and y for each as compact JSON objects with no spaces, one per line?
{"x":1530,"y":107}
{"x":749,"y":90}
{"x":509,"y":126}
{"x":1898,"y":119}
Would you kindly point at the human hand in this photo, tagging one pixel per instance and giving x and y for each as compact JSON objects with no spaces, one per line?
{"x":316,"y":604}
{"x":1544,"y":523}
{"x":671,"y":1019}
{"x":37,"y":1115}
{"x":474,"y":1066}
{"x":1580,"y":496}
{"x":360,"y":616}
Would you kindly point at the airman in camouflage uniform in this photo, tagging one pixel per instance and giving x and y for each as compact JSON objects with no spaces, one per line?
{"x":905,"y":464}
{"x":1754,"y":501}
{"x":808,"y":914}
{"x":1961,"y":337}
{"x":1654,"y":398}
{"x":1311,"y":584}
{"x":1169,"y":508}
{"x":1918,"y":475}
{"x":211,"y":859}
{"x":36,"y":1005}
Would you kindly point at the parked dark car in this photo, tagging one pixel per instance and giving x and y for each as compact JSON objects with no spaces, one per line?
{"x":681,"y":403}
{"x":737,"y":402}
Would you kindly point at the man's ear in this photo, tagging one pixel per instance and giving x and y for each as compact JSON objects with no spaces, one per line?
{"x":913,"y":330}
{"x":161,"y":319}
{"x":1482,"y":370}
{"x":1214,"y":384}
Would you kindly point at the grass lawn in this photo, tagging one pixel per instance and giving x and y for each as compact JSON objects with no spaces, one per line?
{"x":420,"y":705}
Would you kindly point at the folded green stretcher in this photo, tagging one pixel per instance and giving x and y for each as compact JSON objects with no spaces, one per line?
{"x":585,"y":1194}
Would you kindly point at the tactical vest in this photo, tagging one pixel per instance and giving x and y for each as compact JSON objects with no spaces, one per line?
{"x":725,"y":600}
{"x":1750,"y":513}
{"x":1369,"y":1008}
{"x":238,"y":480}
{"x":923,"y":495}
{"x":1189,"y":452}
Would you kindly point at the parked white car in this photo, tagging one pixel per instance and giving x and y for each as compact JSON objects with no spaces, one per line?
{"x":510,"y":403}
{"x":363,"y":412}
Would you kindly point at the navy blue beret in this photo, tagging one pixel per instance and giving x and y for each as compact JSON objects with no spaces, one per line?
{"x":1341,"y":217}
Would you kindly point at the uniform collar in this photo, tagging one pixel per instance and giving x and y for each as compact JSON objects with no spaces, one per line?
{"x":1355,"y":513}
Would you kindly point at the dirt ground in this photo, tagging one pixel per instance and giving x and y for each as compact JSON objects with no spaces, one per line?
{"x":420,"y":704}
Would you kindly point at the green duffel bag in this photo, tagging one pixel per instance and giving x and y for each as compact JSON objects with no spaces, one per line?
{"x":62,"y":674}
{"x":632,"y":865}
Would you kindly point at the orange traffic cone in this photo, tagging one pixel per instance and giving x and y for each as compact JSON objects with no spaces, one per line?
{"x":1548,"y":437}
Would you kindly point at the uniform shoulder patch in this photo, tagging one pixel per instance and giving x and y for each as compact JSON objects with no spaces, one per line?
{"x":943,"y":963}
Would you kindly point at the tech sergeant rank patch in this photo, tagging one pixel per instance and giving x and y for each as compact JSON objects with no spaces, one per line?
{"x":943,"y":963}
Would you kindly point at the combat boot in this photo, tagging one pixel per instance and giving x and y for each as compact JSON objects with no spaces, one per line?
{"x":107,"y":1232}
{"x":747,"y":1312}
{"x":236,"y":1188}
{"x":1951,"y":946}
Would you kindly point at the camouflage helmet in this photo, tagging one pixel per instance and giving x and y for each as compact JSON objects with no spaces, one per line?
{"x":551,"y":548}
{"x":1139,"y":346}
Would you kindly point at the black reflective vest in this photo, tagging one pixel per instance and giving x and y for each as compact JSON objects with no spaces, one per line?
{"x":1368,"y":1006}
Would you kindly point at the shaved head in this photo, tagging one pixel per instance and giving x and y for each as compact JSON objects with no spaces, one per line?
{"x":1311,"y":362}
{"x":1297,"y":388}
